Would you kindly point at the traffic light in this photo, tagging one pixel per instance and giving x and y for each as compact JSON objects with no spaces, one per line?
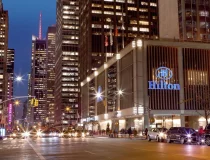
{"x":36,"y":104}
{"x":32,"y":101}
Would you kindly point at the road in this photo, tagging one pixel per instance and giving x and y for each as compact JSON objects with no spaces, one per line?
{"x":98,"y":149}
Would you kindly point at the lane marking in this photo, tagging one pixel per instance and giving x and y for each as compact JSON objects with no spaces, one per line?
{"x":90,"y":152}
{"x":36,"y":151}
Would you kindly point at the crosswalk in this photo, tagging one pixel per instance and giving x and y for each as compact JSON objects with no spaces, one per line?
{"x":12,"y":144}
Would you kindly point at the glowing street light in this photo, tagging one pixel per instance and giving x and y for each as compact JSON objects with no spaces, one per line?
{"x":120,"y":92}
{"x":68,"y":109}
{"x":19,"y":79}
{"x":98,"y":95}
{"x":17,"y":103}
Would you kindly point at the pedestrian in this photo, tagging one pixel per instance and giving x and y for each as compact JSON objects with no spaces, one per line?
{"x":200,"y":131}
{"x":146,"y":132}
{"x":130,"y":132}
{"x":135,"y":132}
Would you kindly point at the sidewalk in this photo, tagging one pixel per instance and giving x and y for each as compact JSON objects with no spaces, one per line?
{"x":119,"y":136}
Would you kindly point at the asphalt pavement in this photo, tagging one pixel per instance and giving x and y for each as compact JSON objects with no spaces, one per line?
{"x":98,"y":149}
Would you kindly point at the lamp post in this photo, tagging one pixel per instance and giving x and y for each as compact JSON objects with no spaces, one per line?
{"x":68,"y":110}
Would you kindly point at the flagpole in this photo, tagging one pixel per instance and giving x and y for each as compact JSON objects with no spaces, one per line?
{"x":111,"y":38}
{"x":123,"y":43}
{"x":116,"y":38}
{"x":106,"y":44}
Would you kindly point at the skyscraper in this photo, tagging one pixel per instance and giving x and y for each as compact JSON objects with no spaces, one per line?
{"x":194,"y":19}
{"x":39,"y":79}
{"x":3,"y":65}
{"x":67,"y":65}
{"x":107,"y":26}
{"x":10,"y":69}
{"x":51,"y":73}
{"x":10,"y":74}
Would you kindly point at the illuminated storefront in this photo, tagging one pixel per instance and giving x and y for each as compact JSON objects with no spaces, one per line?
{"x":152,"y":79}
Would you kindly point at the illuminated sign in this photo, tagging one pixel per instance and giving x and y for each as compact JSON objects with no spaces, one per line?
{"x":164,"y":74}
{"x":10,"y":113}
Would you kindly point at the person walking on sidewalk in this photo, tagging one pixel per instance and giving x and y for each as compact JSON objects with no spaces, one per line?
{"x":134,"y":132}
{"x":130,"y":132}
{"x":146,"y":132}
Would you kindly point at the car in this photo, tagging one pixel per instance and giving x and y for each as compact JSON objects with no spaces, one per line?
{"x":182,"y":135}
{"x":207,"y":134}
{"x":158,"y":134}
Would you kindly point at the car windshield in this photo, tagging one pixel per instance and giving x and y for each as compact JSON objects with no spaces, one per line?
{"x":162,"y":129}
{"x":189,"y":130}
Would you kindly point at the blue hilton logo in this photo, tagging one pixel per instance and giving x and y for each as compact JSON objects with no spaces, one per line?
{"x":163,"y":73}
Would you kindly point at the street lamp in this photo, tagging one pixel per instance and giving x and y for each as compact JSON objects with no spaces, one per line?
{"x":17,"y":103}
{"x":68,"y":109}
{"x":19,"y":79}
{"x":120,"y":92}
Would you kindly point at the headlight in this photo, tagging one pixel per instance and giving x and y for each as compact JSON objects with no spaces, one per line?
{"x":26,"y":134}
{"x":202,"y":140}
{"x":189,"y":140}
{"x":61,"y":135}
{"x":14,"y":135}
{"x":38,"y":133}
{"x":161,"y":134}
{"x":88,"y":133}
{"x":189,"y":136}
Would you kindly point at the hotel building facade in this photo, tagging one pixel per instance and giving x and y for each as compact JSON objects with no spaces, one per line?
{"x":160,"y":82}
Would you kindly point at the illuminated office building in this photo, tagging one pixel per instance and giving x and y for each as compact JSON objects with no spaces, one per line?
{"x":10,"y":87}
{"x":39,"y":80}
{"x":194,"y":19}
{"x":107,"y":26}
{"x":50,"y":73}
{"x":3,"y":65}
{"x":67,"y":62}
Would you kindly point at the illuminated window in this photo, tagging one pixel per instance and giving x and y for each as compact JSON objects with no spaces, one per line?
{"x":132,"y":8}
{"x":196,"y":77}
{"x":97,"y":11}
{"x":144,"y":29}
{"x":143,"y":22}
{"x":153,"y":4}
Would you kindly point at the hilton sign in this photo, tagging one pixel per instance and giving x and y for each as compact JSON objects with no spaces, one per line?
{"x":163,"y":73}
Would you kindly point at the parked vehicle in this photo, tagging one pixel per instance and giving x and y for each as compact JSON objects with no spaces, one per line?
{"x":182,"y":135}
{"x":207,"y":134}
{"x":158,"y":134}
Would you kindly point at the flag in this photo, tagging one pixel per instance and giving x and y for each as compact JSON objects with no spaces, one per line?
{"x":111,"y":37}
{"x":116,"y":32}
{"x":122,"y":20}
{"x":78,"y":116}
{"x":106,"y":41}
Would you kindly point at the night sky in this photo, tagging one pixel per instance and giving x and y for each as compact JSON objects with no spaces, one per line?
{"x":23,"y":23}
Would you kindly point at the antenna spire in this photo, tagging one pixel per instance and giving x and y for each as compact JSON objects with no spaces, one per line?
{"x":40,"y":25}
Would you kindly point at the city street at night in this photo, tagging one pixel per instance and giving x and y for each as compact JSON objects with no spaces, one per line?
{"x":98,"y":149}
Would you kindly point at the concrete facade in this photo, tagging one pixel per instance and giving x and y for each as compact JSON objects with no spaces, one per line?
{"x":141,"y":107}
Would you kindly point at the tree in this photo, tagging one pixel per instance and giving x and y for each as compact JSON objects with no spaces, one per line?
{"x":202,"y":98}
